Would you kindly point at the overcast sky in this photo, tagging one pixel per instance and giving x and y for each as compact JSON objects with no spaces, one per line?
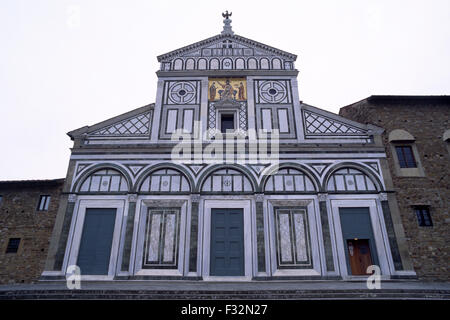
{"x":66,"y":64}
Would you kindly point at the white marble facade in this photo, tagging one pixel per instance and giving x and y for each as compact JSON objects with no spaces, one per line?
{"x":291,"y":216}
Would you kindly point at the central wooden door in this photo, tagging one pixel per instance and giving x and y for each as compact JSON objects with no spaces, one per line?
{"x":359,"y":256}
{"x":227,"y":242}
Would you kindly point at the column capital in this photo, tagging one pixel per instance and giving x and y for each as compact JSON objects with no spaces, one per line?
{"x":195,"y":197}
{"x":72,"y":197}
{"x":259,"y":197}
{"x":322,"y":196}
{"x":382,"y":196}
{"x":132,"y":197}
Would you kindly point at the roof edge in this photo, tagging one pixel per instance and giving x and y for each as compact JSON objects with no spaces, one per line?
{"x":87,"y":129}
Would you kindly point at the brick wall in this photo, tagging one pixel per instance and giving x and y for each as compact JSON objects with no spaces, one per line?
{"x":19,"y":218}
{"x":426,"y":118}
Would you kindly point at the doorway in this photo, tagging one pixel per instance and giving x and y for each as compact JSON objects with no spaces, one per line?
{"x":227,"y":242}
{"x":359,"y":256}
{"x":96,"y":241}
{"x":359,"y":241}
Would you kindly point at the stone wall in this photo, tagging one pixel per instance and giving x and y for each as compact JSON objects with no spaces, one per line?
{"x":19,"y":218}
{"x":426,"y":118}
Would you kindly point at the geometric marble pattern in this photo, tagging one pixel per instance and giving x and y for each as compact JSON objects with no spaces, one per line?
{"x":165,"y":180}
{"x":227,"y":180}
{"x":289,"y":180}
{"x":292,"y":238}
{"x":105,"y":181}
{"x":318,"y":124}
{"x":161,"y":240}
{"x":138,"y":125}
{"x":272,"y":91}
{"x":349,"y":179}
{"x":182,"y":92}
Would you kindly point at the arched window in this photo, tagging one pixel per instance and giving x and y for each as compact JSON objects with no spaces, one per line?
{"x":405,"y":153}
{"x":227,"y":180}
{"x":105,"y":180}
{"x":165,"y":180}
{"x":289,"y":180}
{"x":349,"y":179}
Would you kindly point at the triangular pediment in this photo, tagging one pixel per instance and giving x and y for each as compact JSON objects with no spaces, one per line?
{"x":227,"y":45}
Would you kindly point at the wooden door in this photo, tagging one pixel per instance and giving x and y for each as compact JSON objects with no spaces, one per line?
{"x":359,"y":255}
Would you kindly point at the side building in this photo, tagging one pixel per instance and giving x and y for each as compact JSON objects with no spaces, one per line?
{"x":27,"y":216}
{"x":416,"y":139}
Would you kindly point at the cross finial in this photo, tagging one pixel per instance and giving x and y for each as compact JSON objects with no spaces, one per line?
{"x":227,"y":23}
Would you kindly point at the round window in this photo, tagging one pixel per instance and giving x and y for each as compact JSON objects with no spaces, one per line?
{"x":182,"y":92}
{"x":272,"y":91}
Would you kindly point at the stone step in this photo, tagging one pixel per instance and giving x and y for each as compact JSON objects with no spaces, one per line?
{"x":222,"y":295}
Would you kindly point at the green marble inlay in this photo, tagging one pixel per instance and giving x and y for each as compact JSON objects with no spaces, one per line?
{"x":326,"y":235}
{"x":194,"y":238}
{"x":59,"y":257}
{"x":260,"y":237}
{"x":391,"y":234}
{"x":128,"y":237}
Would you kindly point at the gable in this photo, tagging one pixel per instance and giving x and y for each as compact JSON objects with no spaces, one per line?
{"x":227,"y":52}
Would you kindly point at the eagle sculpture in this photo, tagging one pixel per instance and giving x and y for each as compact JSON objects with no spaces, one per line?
{"x":226,"y":15}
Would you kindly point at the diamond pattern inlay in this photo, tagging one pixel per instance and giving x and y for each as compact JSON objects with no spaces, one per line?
{"x":317,"y":124}
{"x":139,"y":125}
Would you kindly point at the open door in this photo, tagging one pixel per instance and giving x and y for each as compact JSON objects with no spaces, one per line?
{"x":359,"y":255}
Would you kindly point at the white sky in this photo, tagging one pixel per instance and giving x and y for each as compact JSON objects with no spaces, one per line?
{"x":66,"y":64}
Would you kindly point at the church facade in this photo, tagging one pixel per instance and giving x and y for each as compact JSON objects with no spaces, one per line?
{"x":227,"y":176}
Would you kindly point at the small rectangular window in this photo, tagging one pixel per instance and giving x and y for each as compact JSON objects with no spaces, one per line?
{"x":423,"y":216}
{"x":405,"y":157}
{"x":44,"y":202}
{"x":226,"y":122}
{"x":13,"y":245}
